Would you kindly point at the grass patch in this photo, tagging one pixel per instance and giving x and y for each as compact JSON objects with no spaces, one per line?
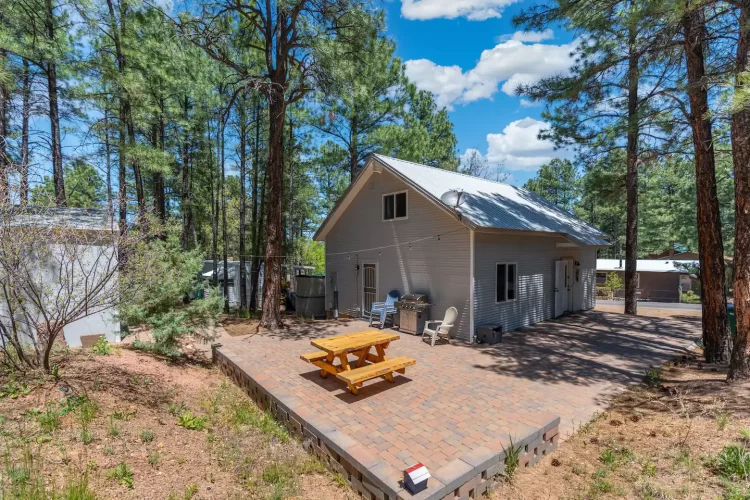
{"x":733,"y":462}
{"x":147,"y":436}
{"x":512,"y":455}
{"x":153,"y":459}
{"x":245,"y":413}
{"x":122,"y":473}
{"x":191,"y":422}
{"x":722,"y":419}
{"x":113,"y":429}
{"x":49,"y":419}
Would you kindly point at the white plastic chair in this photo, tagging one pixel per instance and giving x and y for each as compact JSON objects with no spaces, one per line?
{"x":441,"y":328}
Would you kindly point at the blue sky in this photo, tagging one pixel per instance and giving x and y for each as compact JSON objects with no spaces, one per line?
{"x":468,"y":54}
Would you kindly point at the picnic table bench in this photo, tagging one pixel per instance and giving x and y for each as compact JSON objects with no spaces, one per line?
{"x":360,"y":344}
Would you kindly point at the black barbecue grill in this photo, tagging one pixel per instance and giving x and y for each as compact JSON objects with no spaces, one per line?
{"x":412,"y":312}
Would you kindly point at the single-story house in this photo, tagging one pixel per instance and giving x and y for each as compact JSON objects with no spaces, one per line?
{"x":79,"y":255}
{"x":500,"y":254}
{"x":658,"y":280}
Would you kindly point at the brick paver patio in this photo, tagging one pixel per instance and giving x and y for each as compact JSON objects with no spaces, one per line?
{"x":459,"y":398}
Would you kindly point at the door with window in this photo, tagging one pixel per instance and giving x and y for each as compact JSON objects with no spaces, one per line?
{"x":369,"y":286}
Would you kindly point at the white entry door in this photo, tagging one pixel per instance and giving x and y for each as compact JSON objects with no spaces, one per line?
{"x":369,"y":286}
{"x":559,"y":287}
{"x":563,"y":287}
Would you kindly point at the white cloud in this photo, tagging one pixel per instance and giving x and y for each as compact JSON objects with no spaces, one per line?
{"x":446,"y":82}
{"x":518,"y":146}
{"x":528,"y":36}
{"x":530,"y":104}
{"x":511,"y":63}
{"x":474,"y":10}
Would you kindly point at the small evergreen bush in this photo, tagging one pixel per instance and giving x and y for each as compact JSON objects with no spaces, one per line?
{"x":166,"y":304}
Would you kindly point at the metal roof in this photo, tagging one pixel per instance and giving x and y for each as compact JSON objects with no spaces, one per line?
{"x":89,"y":219}
{"x":647,"y":265}
{"x":496,"y":205}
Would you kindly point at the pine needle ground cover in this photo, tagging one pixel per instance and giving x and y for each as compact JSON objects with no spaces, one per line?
{"x":682,"y":433}
{"x":132,"y":425}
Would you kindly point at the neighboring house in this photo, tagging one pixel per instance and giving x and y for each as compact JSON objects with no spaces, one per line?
{"x":657,"y":280}
{"x":504,"y":256}
{"x":93,"y":255}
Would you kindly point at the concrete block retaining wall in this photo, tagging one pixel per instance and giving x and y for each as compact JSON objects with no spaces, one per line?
{"x":467,"y":477}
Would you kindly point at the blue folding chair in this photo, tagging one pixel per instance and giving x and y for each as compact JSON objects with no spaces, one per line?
{"x":384,"y":309}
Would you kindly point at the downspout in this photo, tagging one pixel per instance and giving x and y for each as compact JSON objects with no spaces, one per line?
{"x":471,"y":286}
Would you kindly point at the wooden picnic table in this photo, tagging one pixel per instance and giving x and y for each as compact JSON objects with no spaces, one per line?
{"x":360,"y":344}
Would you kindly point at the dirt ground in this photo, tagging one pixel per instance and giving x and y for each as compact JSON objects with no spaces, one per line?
{"x":124,"y":408}
{"x":660,"y":439}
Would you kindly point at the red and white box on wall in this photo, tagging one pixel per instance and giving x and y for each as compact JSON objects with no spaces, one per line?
{"x":415,"y":478}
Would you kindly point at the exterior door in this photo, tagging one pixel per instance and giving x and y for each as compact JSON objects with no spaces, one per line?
{"x":559,"y":287}
{"x":369,"y":286}
{"x":563,"y":286}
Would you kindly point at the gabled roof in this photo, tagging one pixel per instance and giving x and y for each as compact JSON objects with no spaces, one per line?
{"x":487,"y":204}
{"x":647,"y":265}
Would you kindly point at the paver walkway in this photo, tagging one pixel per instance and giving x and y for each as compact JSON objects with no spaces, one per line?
{"x":460,"y":397}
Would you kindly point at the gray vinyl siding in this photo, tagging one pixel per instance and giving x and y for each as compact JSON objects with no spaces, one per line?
{"x":440,"y":268}
{"x":535,"y":257}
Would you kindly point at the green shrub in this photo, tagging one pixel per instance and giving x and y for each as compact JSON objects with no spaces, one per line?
{"x":192,"y":422}
{"x":690,"y":297}
{"x":733,"y":462}
{"x":163,"y":304}
{"x":652,"y":377}
{"x":614,"y":282}
{"x":122,"y":473}
{"x":102,"y":347}
{"x":147,"y":436}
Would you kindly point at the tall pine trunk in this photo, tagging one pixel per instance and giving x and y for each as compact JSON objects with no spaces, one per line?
{"x":54,"y":111}
{"x":158,"y":178}
{"x":739,"y":366}
{"x":631,"y":230}
{"x":185,"y":205}
{"x":224,"y":238}
{"x":243,"y":168}
{"x":710,"y":245}
{"x":271,"y":314}
{"x":255,"y":266}
{"x":108,"y":158}
{"x":4,"y":134}
{"x":290,"y":221}
{"x":353,"y":156}
{"x":25,"y":117}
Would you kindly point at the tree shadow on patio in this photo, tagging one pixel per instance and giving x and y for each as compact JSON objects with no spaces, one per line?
{"x":589,"y":348}
{"x":370,"y":389}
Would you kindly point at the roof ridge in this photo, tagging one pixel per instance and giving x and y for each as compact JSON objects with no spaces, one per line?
{"x":446,"y":170}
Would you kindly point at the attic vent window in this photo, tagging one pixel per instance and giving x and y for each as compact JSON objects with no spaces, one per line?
{"x":394,"y":206}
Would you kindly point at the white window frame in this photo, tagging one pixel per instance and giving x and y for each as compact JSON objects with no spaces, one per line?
{"x":515,"y":284}
{"x":382,"y":206}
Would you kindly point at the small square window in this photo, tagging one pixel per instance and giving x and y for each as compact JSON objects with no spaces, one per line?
{"x":394,"y":206}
